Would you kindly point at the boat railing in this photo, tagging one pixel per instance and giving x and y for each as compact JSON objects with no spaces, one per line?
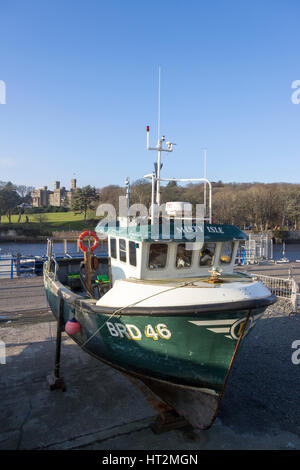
{"x":207,"y":210}
{"x":286,"y":288}
{"x":70,"y":248}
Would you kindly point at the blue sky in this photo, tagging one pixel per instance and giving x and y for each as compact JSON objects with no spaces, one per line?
{"x":81,"y":85}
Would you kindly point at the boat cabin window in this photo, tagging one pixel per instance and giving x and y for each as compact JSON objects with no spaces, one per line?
{"x":207,"y":254}
{"x":158,"y":253}
{"x":132,"y":253}
{"x":122,"y":250}
{"x":113,"y":248}
{"x":226,"y":252}
{"x":183,"y":256}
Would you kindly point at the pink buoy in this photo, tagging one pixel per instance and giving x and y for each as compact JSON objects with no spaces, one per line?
{"x":72,"y":327}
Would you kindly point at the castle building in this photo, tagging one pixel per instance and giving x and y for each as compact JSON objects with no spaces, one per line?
{"x":60,"y":196}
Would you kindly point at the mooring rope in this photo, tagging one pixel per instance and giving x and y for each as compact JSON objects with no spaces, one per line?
{"x":123,"y":308}
{"x":132,"y":305}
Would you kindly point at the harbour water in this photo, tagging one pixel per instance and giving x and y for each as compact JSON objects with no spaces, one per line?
{"x":292,"y":251}
{"x":38,"y":249}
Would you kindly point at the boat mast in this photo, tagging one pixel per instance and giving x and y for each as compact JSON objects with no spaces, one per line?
{"x":159,"y":145}
{"x":205,"y":152}
{"x":156,"y":179}
{"x":127,"y":184}
{"x":159,"y":148}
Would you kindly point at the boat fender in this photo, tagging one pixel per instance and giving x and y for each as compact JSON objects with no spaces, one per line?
{"x":88,"y":233}
{"x":72,"y":326}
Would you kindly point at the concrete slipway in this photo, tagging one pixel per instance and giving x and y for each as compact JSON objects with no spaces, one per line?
{"x":101,"y":409}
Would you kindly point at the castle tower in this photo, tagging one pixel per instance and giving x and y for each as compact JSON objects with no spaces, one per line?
{"x":73,"y":183}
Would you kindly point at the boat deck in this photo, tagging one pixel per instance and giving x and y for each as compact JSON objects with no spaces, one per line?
{"x":203,"y":280}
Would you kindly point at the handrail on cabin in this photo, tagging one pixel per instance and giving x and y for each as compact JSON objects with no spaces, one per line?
{"x":203,"y":180}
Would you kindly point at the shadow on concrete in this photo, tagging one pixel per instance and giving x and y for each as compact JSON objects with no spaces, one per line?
{"x":100,"y":404}
{"x":32,"y":416}
{"x":262,"y":393}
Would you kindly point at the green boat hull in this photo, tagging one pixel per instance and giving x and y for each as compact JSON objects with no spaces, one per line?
{"x":184,"y":360}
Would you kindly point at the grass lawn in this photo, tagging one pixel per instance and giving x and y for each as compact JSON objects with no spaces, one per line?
{"x":51,"y":221}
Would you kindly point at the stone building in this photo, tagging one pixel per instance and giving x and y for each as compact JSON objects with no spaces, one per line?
{"x":40,"y":197}
{"x":60,"y":196}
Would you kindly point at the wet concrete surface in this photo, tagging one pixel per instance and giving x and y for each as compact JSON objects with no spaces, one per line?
{"x":102,"y":410}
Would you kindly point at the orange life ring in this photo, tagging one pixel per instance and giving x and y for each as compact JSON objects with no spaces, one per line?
{"x":88,"y":233}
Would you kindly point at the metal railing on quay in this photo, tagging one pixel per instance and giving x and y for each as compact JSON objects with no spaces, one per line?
{"x":281,"y":287}
{"x":15,"y":266}
{"x":21,"y":266}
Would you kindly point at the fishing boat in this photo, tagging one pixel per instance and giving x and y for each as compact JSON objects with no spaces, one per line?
{"x":165,"y":306}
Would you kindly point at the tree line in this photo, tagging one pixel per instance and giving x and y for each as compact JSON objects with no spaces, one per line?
{"x":260,"y":206}
{"x":257,"y":205}
{"x":14,"y":199}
